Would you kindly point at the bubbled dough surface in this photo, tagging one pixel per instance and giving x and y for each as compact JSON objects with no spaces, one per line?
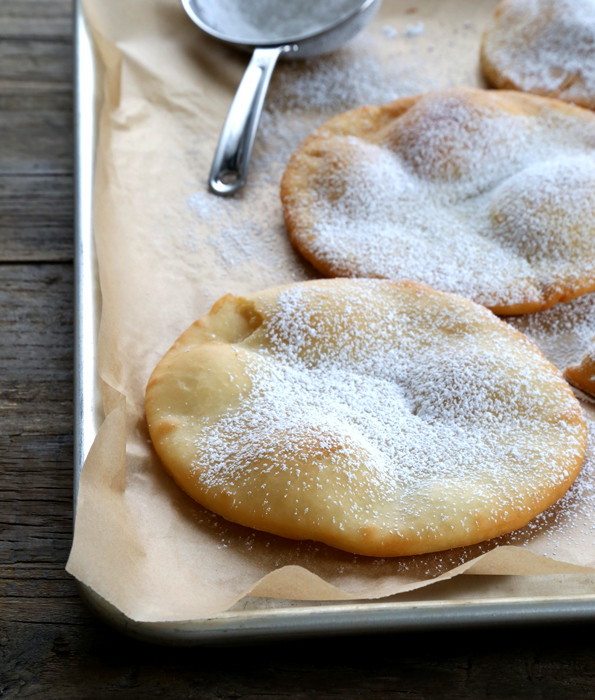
{"x":488,"y":194}
{"x":381,"y":418}
{"x":546,"y":47}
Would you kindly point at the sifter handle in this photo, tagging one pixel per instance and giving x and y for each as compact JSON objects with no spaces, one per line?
{"x":230,"y":163}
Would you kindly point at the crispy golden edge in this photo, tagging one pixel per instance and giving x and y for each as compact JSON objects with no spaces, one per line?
{"x":582,"y":375}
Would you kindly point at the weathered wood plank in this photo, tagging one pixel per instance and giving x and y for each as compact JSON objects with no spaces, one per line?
{"x":36,"y":360}
{"x":36,"y":322}
{"x":35,"y":105}
{"x":35,"y":61}
{"x":36,"y":19}
{"x":39,"y":601}
{"x":37,"y":133}
{"x":36,"y":218}
{"x":74,"y":663}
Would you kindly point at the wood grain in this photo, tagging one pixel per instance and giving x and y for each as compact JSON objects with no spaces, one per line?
{"x":51,"y":646}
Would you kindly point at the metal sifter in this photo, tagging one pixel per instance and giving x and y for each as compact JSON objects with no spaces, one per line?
{"x":270,"y":29}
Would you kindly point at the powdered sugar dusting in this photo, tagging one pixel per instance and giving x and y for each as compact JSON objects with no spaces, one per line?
{"x":547,"y":47}
{"x":467,"y":198}
{"x":415,"y":29}
{"x":451,"y":424}
{"x":565,"y":529}
{"x":563,"y":333}
{"x":235,"y":237}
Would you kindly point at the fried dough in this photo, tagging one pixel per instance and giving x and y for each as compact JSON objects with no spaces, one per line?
{"x":382,"y":418}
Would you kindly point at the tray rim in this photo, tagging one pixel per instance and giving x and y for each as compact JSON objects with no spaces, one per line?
{"x":367,"y":617}
{"x":86,"y":288}
{"x":342,"y":619}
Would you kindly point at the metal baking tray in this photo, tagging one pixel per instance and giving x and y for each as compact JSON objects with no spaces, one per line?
{"x":465,"y":601}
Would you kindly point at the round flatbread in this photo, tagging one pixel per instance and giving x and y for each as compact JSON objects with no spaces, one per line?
{"x":488,"y":194}
{"x":382,"y":418}
{"x":546,"y":47}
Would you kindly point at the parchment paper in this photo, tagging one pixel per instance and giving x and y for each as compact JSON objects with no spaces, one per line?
{"x":167,"y":250}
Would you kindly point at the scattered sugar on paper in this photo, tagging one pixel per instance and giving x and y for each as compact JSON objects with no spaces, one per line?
{"x":569,"y":525}
{"x":415,"y":29}
{"x":563,"y":333}
{"x":236,"y":237}
{"x":248,"y":229}
{"x":389,"y":32}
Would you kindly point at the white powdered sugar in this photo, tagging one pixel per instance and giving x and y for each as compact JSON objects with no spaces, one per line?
{"x":237,"y":238}
{"x":546,"y":46}
{"x":415,"y":29}
{"x":452,"y":416}
{"x":466,"y":199}
{"x":563,"y":333}
{"x":568,"y":527}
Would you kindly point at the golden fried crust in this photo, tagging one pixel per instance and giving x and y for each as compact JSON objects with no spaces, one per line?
{"x":382,"y":418}
{"x":487,"y":194}
{"x":544,"y":47}
{"x":582,"y":375}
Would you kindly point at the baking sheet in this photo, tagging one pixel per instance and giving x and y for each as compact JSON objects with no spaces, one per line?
{"x":475,"y":599}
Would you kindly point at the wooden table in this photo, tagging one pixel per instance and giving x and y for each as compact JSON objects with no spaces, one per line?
{"x":50,"y":644}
